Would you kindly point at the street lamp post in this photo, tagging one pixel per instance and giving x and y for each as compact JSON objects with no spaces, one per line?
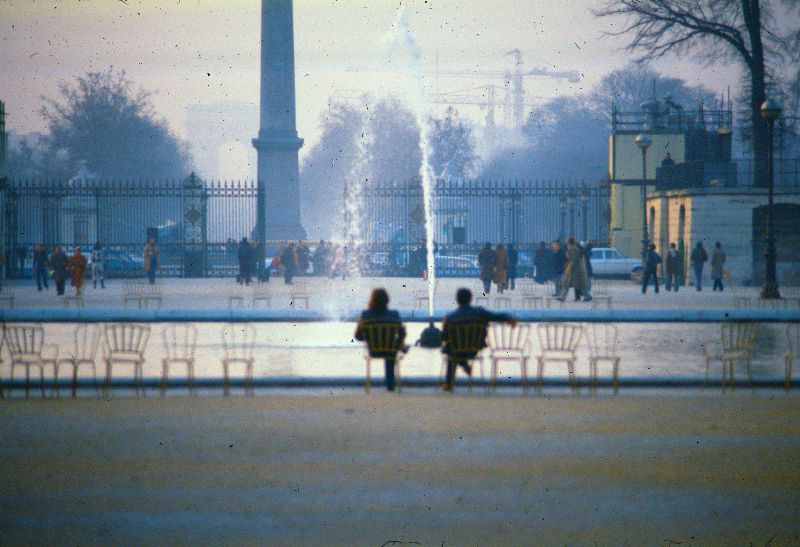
{"x":770,"y":111}
{"x":643,"y":141}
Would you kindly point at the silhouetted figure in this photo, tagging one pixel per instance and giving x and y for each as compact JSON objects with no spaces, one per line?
{"x":245,"y":256}
{"x":513,"y":263}
{"x":542,"y":263}
{"x":673,"y":268}
{"x":58,"y":265}
{"x":151,"y":257}
{"x":378,"y":312}
{"x":98,"y":267}
{"x":289,"y":263}
{"x":717,"y":266}
{"x":40,"y":266}
{"x":465,"y":313}
{"x":651,"y":262}
{"x":699,"y":257}
{"x":77,"y":268}
{"x":486,"y":263}
{"x":558,"y":263}
{"x":667,"y":161}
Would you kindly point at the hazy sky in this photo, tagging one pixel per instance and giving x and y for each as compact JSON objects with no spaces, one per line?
{"x":198,"y":51}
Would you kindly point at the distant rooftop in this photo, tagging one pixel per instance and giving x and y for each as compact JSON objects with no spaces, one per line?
{"x":664,"y":115}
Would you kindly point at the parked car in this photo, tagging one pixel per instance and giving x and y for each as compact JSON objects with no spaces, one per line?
{"x":456,"y":266}
{"x":119,"y":263}
{"x":608,"y":261}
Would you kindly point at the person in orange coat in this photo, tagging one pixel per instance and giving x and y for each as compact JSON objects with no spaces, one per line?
{"x":77,"y":267}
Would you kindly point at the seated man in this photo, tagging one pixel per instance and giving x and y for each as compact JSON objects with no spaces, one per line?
{"x":378,"y":312}
{"x":466,"y":314}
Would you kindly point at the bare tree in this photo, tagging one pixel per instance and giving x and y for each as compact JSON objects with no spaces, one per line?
{"x":710,"y":30}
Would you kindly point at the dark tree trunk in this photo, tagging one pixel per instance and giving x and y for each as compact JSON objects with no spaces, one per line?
{"x":752,"y":18}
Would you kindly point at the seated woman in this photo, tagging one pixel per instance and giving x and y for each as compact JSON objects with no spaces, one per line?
{"x":378,"y":312}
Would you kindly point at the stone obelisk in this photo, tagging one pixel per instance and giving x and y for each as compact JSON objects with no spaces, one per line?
{"x":277,"y":143}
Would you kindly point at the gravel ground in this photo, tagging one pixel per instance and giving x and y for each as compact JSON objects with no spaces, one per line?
{"x":661,"y":468}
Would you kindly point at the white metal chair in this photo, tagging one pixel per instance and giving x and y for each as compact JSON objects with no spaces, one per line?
{"x":86,"y":342}
{"x":735,"y":344}
{"x":152,"y":294}
{"x":507,"y":343}
{"x":421,"y":299}
{"x":299,"y":293}
{"x":380,"y":340}
{"x":132,"y":292}
{"x":71,"y":300}
{"x":26,"y":347}
{"x":236,"y":296}
{"x":558,"y":342}
{"x":262,"y":293}
{"x":125,"y":344}
{"x":180,"y":342}
{"x":603,"y":340}
{"x":238,"y":342}
{"x":7,"y":299}
{"x":502,"y":302}
{"x":793,"y":353}
{"x":481,"y":297}
{"x":533,"y":296}
{"x":600,"y":293}
{"x":554,"y":302}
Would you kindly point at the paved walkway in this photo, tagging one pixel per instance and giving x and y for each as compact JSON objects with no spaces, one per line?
{"x":662,"y":469}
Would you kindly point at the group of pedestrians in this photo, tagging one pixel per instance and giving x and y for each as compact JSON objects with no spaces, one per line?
{"x":673,"y":267}
{"x":567,"y":267}
{"x":251,"y":261}
{"x":498,"y":265}
{"x":61,"y":267}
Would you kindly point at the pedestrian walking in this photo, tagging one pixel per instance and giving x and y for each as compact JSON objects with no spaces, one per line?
{"x":651,"y":262}
{"x":558,"y":262}
{"x":259,"y":255}
{"x":587,"y":257}
{"x":673,"y":268}
{"x":303,"y":255}
{"x":40,"y":266}
{"x":58,"y":267}
{"x":542,"y":263}
{"x":244,"y":254}
{"x":500,"y":268}
{"x":575,"y":274}
{"x":698,"y":258}
{"x":318,"y":259}
{"x":513,"y":263}
{"x":151,"y":256}
{"x":486,"y":263}
{"x":77,"y":268}
{"x":717,"y":266}
{"x":98,"y":267}
{"x":378,"y":312}
{"x":22,"y":254}
{"x":289,"y":263}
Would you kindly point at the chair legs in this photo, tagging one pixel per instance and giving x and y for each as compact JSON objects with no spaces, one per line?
{"x":788,"y":380}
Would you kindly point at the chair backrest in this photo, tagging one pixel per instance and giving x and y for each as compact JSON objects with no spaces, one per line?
{"x":466,"y":338}
{"x":738,"y":336}
{"x":299,"y":287}
{"x":742,"y":302}
{"x":602,"y":339}
{"x":600,"y":287}
{"x":180,"y":340}
{"x":771,"y":303}
{"x":793,"y":338}
{"x":152,"y":289}
{"x":86,"y":341}
{"x":133,"y":287}
{"x":126,"y":338}
{"x":24,"y":340}
{"x":504,"y":337}
{"x":382,"y":337}
{"x":238,"y":340}
{"x":559,"y":336}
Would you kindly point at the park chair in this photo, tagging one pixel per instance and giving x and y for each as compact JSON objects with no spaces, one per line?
{"x":558,"y":342}
{"x":735,"y":344}
{"x":466,"y":341}
{"x":380,"y":340}
{"x":238,"y":343}
{"x":125,"y":344}
{"x":554,"y":302}
{"x":600,"y":293}
{"x":421,"y":299}
{"x":742,"y":302}
{"x":299,"y":292}
{"x":502,"y":302}
{"x":132,"y":292}
{"x":262,"y":293}
{"x":603,"y":340}
{"x":236,"y":296}
{"x":481,"y":297}
{"x":152,"y":294}
{"x":180,"y":341}
{"x":793,"y":353}
{"x":509,"y":343}
{"x":7,"y":298}
{"x":533,"y":295}
{"x":27,"y":349}
{"x":86,"y":342}
{"x":70,"y":300}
